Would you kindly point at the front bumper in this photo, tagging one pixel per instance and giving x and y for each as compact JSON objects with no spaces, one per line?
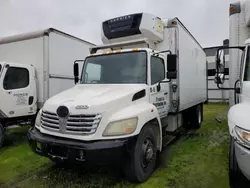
{"x":243,"y":158}
{"x":97,"y":152}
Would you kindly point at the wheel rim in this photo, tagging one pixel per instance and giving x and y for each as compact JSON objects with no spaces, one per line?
{"x":148,"y":153}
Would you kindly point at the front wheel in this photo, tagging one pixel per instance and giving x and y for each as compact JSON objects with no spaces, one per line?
{"x":1,"y":135}
{"x":236,"y":178}
{"x":141,"y":162}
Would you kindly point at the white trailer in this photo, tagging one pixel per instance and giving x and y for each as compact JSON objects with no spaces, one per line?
{"x":130,"y":97}
{"x":239,"y":87}
{"x":34,"y":67}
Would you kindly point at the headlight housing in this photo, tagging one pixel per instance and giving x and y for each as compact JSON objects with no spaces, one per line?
{"x":121,"y":128}
{"x":38,"y":119}
{"x":243,"y":135}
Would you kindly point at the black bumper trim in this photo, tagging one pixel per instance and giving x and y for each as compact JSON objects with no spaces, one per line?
{"x":106,"y":150}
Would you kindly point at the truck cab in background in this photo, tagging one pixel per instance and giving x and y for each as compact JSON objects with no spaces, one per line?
{"x":33,"y":67}
{"x":239,"y":99}
{"x":19,"y":90}
{"x":18,"y":95}
{"x":145,"y":83}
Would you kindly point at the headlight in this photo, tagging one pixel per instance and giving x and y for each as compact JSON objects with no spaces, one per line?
{"x":243,"y":135}
{"x":38,"y":119}
{"x":122,"y":127}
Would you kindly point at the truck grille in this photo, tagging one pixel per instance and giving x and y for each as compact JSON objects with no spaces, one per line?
{"x":84,"y":124}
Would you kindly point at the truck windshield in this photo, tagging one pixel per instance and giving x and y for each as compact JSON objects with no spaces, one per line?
{"x":119,"y":68}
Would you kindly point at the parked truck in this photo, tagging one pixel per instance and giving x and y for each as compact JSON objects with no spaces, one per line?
{"x":239,"y":81}
{"x":143,"y":84}
{"x":33,"y":67}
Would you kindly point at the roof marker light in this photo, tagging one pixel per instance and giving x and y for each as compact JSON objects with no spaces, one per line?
{"x":232,"y":9}
{"x":174,"y":22}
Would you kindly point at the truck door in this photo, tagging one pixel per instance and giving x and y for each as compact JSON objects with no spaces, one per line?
{"x":18,"y":90}
{"x":158,"y":73}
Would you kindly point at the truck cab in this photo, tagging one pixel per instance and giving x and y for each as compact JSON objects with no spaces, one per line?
{"x":18,"y":95}
{"x":238,"y":121}
{"x":129,"y":96}
{"x":17,"y":90}
{"x":239,"y":78}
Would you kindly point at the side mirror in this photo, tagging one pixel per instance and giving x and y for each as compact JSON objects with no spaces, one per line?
{"x":220,"y":67}
{"x":76,"y":72}
{"x":172,"y":66}
{"x":219,"y":78}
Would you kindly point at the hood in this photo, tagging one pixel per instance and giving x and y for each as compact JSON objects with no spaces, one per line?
{"x":99,"y":98}
{"x":239,"y":115}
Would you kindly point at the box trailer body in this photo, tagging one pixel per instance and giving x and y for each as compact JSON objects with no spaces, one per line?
{"x":34,"y":67}
{"x":129,"y":90}
{"x":239,"y":87}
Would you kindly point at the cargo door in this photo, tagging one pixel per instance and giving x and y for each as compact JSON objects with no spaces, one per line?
{"x":17,"y":90}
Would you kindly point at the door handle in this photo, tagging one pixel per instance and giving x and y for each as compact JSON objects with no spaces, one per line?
{"x":31,"y":99}
{"x":166,"y":93}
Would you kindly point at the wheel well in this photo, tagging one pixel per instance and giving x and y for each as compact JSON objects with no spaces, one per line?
{"x":155,"y":123}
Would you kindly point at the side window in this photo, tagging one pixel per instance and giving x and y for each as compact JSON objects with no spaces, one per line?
{"x":16,"y":78}
{"x":247,"y":68}
{"x":157,"y":70}
{"x":242,"y":64}
{"x":95,"y":71}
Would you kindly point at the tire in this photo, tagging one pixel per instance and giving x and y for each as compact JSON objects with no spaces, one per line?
{"x":193,"y":117}
{"x":236,"y":178}
{"x":142,"y":160}
{"x":1,"y":135}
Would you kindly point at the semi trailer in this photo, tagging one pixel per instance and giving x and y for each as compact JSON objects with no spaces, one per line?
{"x":144,"y":83}
{"x":239,"y":88}
{"x":33,"y":67}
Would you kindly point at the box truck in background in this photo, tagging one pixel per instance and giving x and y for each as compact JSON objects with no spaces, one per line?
{"x":142,"y":85}
{"x":33,"y":67}
{"x":239,"y":80}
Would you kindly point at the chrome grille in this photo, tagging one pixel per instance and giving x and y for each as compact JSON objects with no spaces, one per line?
{"x":50,"y":121}
{"x":75,"y":124}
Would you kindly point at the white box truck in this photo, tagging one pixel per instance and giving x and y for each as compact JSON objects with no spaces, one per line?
{"x":146,"y":81}
{"x":239,"y":81}
{"x":33,"y":67}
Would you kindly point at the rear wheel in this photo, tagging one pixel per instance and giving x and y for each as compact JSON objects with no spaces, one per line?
{"x":141,"y":162}
{"x":193,"y":117}
{"x":1,"y":135}
{"x":236,"y":178}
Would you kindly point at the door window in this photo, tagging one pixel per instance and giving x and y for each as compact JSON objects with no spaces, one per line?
{"x":247,"y":66}
{"x":157,"y":70}
{"x":16,"y":78}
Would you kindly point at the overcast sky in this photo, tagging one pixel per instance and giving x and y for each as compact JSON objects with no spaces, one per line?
{"x":207,"y":20}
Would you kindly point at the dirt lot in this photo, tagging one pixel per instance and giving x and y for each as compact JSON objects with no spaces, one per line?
{"x":197,"y":159}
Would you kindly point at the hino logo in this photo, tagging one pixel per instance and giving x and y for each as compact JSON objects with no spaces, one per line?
{"x":82,"y":107}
